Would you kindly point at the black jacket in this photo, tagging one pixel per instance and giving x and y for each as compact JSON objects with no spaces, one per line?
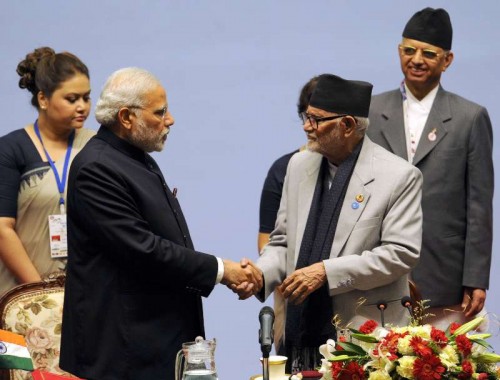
{"x":134,"y":280}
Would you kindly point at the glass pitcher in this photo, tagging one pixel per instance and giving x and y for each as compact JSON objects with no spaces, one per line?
{"x":196,"y":361}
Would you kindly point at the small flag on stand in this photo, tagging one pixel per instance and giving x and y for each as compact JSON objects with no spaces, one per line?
{"x":13,"y":352}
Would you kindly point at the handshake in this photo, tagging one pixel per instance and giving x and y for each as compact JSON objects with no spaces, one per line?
{"x":246,"y":280}
{"x":243,"y":278}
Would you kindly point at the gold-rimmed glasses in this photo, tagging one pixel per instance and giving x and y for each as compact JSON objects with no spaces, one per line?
{"x":410,"y":51}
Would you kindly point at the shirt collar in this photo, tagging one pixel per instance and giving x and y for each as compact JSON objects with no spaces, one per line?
{"x":427,"y":101}
{"x":120,"y":144}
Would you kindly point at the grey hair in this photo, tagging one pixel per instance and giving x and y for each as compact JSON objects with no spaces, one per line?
{"x":361,"y":124}
{"x":125,"y":87}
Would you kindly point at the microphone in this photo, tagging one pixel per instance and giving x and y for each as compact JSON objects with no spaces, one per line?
{"x":382,"y":305}
{"x":266,"y":319}
{"x":406,"y":302}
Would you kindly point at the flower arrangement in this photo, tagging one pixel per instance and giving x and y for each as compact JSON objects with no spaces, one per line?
{"x":412,"y":352}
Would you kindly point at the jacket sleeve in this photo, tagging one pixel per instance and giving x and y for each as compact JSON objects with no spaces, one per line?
{"x":273,"y":260}
{"x":479,"y":186}
{"x":101,"y":203}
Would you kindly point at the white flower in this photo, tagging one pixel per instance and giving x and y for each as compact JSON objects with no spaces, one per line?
{"x":421,"y":331}
{"x":381,"y":363}
{"x":449,"y":357}
{"x":327,"y":349}
{"x":380,"y":332}
{"x":405,"y":367}
{"x":400,"y":330}
{"x":379,"y":375}
{"x":404,"y":345}
{"x":325,"y":368}
{"x":477,"y":349}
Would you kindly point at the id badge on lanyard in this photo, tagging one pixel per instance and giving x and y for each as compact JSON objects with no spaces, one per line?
{"x":58,"y":236}
{"x":57,"y":222}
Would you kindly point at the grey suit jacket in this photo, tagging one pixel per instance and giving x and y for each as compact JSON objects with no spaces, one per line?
{"x":457,"y":193}
{"x":375,"y":245}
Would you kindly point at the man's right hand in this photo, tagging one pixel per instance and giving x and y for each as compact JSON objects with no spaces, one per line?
{"x":243,"y":278}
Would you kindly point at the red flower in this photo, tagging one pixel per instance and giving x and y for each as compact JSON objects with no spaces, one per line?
{"x":482,"y":376}
{"x":454,"y":326}
{"x":352,"y":371}
{"x":467,"y":370}
{"x":368,"y":327}
{"x":341,"y":339}
{"x":336,"y":368}
{"x":464,"y":345}
{"x":428,"y":368}
{"x":420,"y":346}
{"x":390,"y":342}
{"x":439,"y":337}
{"x":388,"y":347}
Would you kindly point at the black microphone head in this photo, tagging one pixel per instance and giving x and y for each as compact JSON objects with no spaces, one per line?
{"x":266,"y":310}
{"x":381,"y":305}
{"x":266,"y":320}
{"x":406,"y":301}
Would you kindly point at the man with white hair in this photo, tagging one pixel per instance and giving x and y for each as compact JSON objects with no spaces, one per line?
{"x":134,"y":281}
{"x":348,"y":228}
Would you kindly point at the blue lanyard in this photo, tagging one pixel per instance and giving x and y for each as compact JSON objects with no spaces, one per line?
{"x":61,"y":184}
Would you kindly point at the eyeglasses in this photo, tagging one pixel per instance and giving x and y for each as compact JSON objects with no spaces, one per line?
{"x":314,"y":121}
{"x":161,"y":113}
{"x":410,"y":51}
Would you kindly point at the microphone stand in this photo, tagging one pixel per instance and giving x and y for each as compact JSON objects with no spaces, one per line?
{"x":265,"y":367}
{"x":382,"y":305}
{"x":266,"y":349}
{"x":406,"y":303}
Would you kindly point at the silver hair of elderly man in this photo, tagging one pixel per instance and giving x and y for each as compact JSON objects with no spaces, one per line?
{"x":125,"y":87}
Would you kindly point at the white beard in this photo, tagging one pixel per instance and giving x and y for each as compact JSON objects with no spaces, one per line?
{"x":147,"y":140}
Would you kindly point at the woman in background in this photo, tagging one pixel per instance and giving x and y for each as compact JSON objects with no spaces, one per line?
{"x":34,"y":164}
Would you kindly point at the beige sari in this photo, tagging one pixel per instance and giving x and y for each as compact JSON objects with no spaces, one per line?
{"x":37,"y":199}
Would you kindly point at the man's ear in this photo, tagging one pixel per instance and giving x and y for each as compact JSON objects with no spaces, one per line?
{"x":448,"y":59}
{"x":125,"y":117}
{"x":350,"y":125}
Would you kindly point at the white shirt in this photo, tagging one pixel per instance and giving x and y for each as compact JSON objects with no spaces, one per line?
{"x":220,"y":271}
{"x":332,"y":170}
{"x":416,"y":113}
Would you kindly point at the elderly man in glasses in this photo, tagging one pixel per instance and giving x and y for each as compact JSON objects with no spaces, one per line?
{"x":348,"y":229}
{"x":450,"y":140}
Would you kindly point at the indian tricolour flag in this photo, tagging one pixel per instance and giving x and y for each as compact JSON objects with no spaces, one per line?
{"x":13,"y":352}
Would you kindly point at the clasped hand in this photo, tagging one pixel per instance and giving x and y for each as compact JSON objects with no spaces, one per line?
{"x":296,"y":287}
{"x":243,"y":278}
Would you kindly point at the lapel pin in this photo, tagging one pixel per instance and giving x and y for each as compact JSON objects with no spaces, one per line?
{"x":360,"y":198}
{"x":355,"y":205}
{"x":432,"y":135}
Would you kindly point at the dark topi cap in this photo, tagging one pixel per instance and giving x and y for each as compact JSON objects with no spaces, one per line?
{"x":342,"y":96}
{"x":432,"y":26}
